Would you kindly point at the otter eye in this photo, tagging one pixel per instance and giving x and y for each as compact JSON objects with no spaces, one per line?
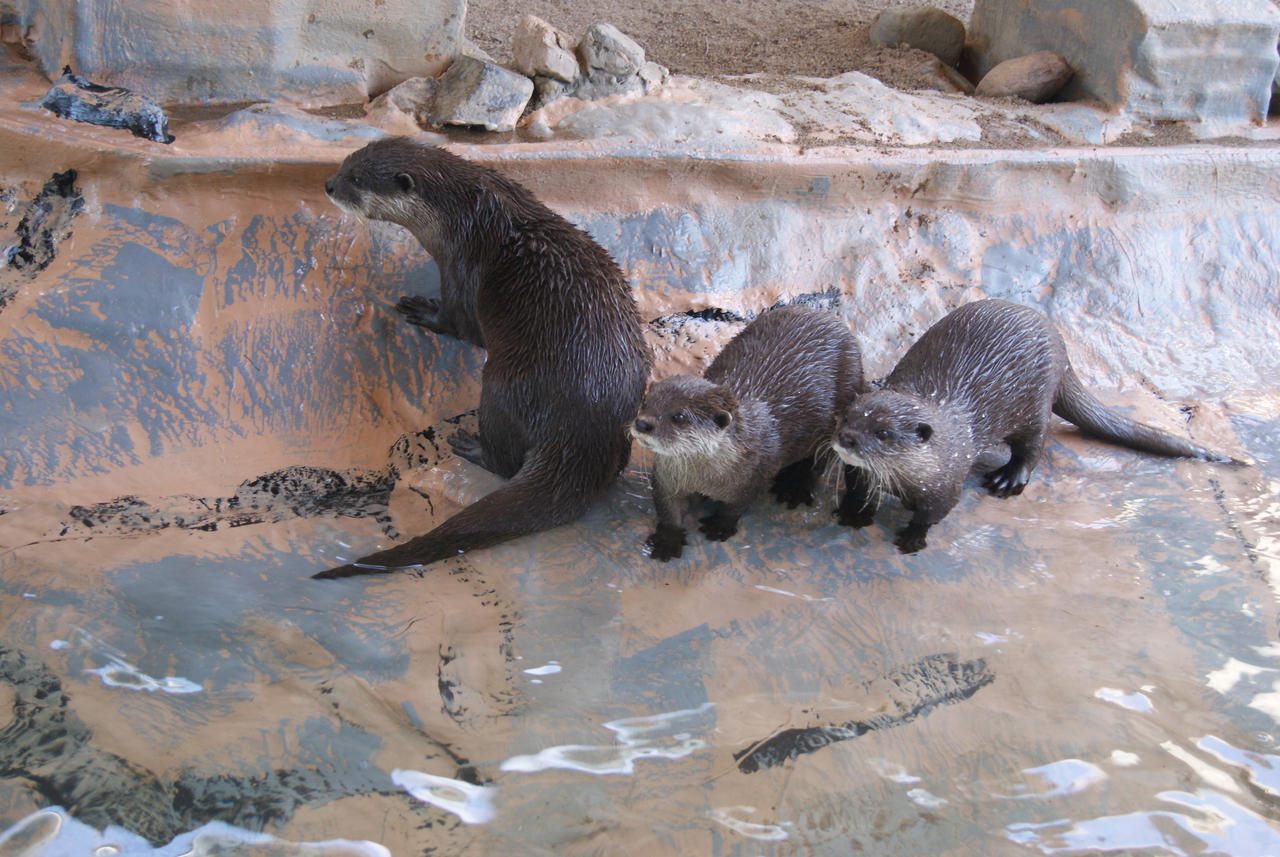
{"x":678,"y":418}
{"x":883,"y":434}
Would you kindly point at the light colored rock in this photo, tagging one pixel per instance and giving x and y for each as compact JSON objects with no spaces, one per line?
{"x":313,"y":53}
{"x":412,"y":100}
{"x":607,"y":50}
{"x":921,"y":27}
{"x":540,"y":50}
{"x":1208,"y":60}
{"x":1036,"y":77}
{"x":475,"y":92}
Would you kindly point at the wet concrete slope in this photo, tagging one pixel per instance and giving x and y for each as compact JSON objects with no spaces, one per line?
{"x":208,"y":397}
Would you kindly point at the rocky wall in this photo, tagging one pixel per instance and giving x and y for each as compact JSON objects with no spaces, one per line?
{"x":230,"y":322}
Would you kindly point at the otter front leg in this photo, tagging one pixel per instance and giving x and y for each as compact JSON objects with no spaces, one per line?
{"x":667,"y":541}
{"x":861,"y":498}
{"x":926,"y":511}
{"x":428,"y":313}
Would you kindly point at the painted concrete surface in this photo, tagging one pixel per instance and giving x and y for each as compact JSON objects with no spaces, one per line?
{"x":318,"y":52}
{"x":208,"y":397}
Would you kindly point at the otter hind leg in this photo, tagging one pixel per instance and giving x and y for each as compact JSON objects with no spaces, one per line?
{"x":466,"y":445}
{"x":721,"y":523}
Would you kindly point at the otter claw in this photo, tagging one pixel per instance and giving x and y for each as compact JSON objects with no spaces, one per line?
{"x":666,"y":544}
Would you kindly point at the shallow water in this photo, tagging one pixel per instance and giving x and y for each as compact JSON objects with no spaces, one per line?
{"x":1091,"y":667}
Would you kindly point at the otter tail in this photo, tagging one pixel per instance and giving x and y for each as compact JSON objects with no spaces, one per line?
{"x":555,"y":485}
{"x":1078,"y":406}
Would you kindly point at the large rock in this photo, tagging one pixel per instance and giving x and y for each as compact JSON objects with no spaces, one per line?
{"x":606,"y":50}
{"x":404,"y":108}
{"x":476,"y":92}
{"x":921,"y":27}
{"x":1209,"y":60}
{"x":540,"y":50}
{"x":315,"y":52}
{"x":1036,"y":77}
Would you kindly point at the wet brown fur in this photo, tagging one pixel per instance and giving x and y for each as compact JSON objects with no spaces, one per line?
{"x":990,"y":372}
{"x":566,"y":363}
{"x":767,"y":404}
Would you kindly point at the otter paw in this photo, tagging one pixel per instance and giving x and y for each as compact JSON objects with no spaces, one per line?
{"x":424,"y":312}
{"x":665,"y":543}
{"x":855,"y":516}
{"x":718,"y":527}
{"x":1007,"y":481}
{"x":793,"y":484}
{"x":466,"y":446}
{"x":793,"y":493}
{"x":910,"y":539}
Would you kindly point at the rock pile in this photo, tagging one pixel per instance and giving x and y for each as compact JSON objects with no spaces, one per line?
{"x":477,"y":92}
{"x":1036,"y":77}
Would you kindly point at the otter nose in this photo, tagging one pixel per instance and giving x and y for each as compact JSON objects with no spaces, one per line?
{"x":328,"y":186}
{"x":643,"y":426}
{"x":848,"y":439}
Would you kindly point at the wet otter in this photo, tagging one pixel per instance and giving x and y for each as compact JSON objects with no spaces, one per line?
{"x":988,"y":372}
{"x":764,"y":408}
{"x":566,"y":363}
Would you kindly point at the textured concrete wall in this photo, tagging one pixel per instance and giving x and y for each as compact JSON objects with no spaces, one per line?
{"x":1208,"y":60}
{"x":238,"y":322}
{"x":319,"y":52}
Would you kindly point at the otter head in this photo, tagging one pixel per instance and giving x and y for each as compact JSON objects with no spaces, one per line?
{"x":401,"y":181}
{"x":887,"y":433}
{"x":685,"y":416}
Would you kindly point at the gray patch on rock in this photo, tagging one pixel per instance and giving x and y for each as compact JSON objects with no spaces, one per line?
{"x":475,"y":92}
{"x":414,"y":97}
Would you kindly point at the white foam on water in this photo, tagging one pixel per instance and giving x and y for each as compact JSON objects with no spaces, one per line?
{"x":659,"y":736}
{"x":926,"y":799}
{"x":1230,"y":674}
{"x":729,"y":817}
{"x":1215,"y":777}
{"x":1263,"y":768}
{"x":117,"y":672}
{"x":469,"y":802}
{"x":1133,"y":701}
{"x":775,"y":591}
{"x":1124,"y":759}
{"x":52,"y":832}
{"x":1067,"y":777}
{"x":549,"y":669}
{"x":1213,"y":825}
{"x":893,"y":772}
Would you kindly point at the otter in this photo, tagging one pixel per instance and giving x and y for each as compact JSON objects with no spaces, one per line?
{"x":763,"y":410}
{"x":989,"y":372}
{"x":566,"y":362}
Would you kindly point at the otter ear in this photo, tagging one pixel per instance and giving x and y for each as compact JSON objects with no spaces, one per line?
{"x":404,"y":181}
{"x":924,"y":431}
{"x":722,"y":419}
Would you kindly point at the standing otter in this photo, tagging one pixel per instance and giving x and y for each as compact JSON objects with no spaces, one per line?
{"x":566,"y":363}
{"x":768,"y":402}
{"x":989,"y":372}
